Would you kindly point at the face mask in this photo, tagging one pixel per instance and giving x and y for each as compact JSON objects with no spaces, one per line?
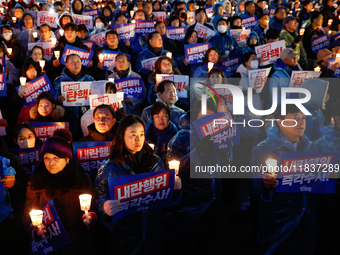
{"x":28,"y":143}
{"x":7,"y":36}
{"x":254,"y":64}
{"x":222,"y":29}
{"x":99,"y":25}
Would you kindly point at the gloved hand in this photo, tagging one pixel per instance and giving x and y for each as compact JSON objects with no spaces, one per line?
{"x":22,"y":91}
{"x":111,"y":207}
{"x":91,"y":220}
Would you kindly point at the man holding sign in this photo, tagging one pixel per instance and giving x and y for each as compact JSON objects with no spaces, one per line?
{"x":284,"y":218}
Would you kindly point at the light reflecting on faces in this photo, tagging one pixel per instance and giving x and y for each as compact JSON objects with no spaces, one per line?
{"x":161,"y":120}
{"x":26,"y":138}
{"x":53,"y":163}
{"x":134,"y":138}
{"x":45,"y":107}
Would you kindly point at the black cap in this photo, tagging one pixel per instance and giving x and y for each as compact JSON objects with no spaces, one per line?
{"x":82,"y":27}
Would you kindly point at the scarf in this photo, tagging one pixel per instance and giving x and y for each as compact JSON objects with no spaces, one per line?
{"x":140,"y":162}
{"x":122,"y":74}
{"x":75,"y":77}
{"x":154,"y":133}
{"x":156,"y":51}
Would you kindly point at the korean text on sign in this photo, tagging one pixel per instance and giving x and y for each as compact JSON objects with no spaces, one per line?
{"x":149,"y":63}
{"x":195,"y":52}
{"x":111,"y":99}
{"x":176,"y":33}
{"x":270,"y":52}
{"x":144,"y":27}
{"x":298,"y":77}
{"x":3,"y":84}
{"x":142,"y":191}
{"x":85,"y":56}
{"x":181,"y":81}
{"x":125,"y":32}
{"x":320,"y":43}
{"x":249,"y":22}
{"x":232,"y":64}
{"x":204,"y":32}
{"x":44,"y":130}
{"x":44,"y":17}
{"x":76,"y":93}
{"x":132,"y":87}
{"x":35,"y":87}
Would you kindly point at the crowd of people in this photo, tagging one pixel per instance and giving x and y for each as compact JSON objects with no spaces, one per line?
{"x":282,"y":223}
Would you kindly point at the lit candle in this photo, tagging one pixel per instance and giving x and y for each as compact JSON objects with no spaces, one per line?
{"x":23,"y":81}
{"x":338,"y":55}
{"x":131,"y":13}
{"x":54,"y":41}
{"x":330,"y":21}
{"x":101,"y":57}
{"x":14,"y":19}
{"x":36,"y":217}
{"x":271,"y":165}
{"x":42,"y":64}
{"x":329,"y":32}
{"x":210,"y":65}
{"x":35,"y":34}
{"x":9,"y":50}
{"x":267,"y":21}
{"x":103,"y":5}
{"x":302,"y":31}
{"x":152,"y":145}
{"x":317,"y":69}
{"x":169,"y":55}
{"x":133,"y":21}
{"x":243,"y":28}
{"x":85,"y":204}
{"x":57,"y":54}
{"x":168,"y":13}
{"x":61,"y":32}
{"x":2,"y":10}
{"x":174,"y":164}
{"x":112,"y":80}
{"x":266,"y":6}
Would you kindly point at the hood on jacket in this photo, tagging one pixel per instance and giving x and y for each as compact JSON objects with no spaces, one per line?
{"x":224,"y":6}
{"x":19,"y":6}
{"x":318,"y":89}
{"x":216,"y":7}
{"x":65,"y":14}
{"x":57,"y":113}
{"x":253,"y":34}
{"x":81,"y":10}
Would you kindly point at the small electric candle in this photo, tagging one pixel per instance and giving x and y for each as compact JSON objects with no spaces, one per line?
{"x":14,"y":19}
{"x":101,"y":57}
{"x":61,"y":32}
{"x":131,"y":13}
{"x":271,"y":165}
{"x":42,"y":64}
{"x":174,"y":164}
{"x":22,"y":81}
{"x":112,"y":80}
{"x":133,"y":21}
{"x":302,"y":31}
{"x":2,"y":10}
{"x":36,"y":217}
{"x":169,"y":55}
{"x":85,"y":204}
{"x":152,"y":145}
{"x":330,"y":21}
{"x":54,"y":40}
{"x":9,"y":50}
{"x":338,"y":55}
{"x":317,"y":69}
{"x":210,"y":65}
{"x":57,"y":54}
{"x":35,"y":34}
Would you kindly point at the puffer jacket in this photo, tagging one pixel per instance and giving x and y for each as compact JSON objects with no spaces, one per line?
{"x":26,"y":36}
{"x":56,"y":115}
{"x":280,"y":213}
{"x":260,"y":33}
{"x":297,"y":47}
{"x":248,"y":48}
{"x":225,"y":43}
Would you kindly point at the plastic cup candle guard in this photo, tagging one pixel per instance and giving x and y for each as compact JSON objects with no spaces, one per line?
{"x":112,"y":80}
{"x":152,"y":145}
{"x":271,"y":165}
{"x":330,"y":21}
{"x":174,"y":164}
{"x":42,"y":64}
{"x":210,"y":65}
{"x":36,"y":217}
{"x":54,"y":40}
{"x":317,"y":69}
{"x":9,"y":50}
{"x":85,"y":204}
{"x":23,"y":81}
{"x":169,"y":55}
{"x":131,"y":13}
{"x":14,"y":19}
{"x":57,"y":54}
{"x":101,"y":57}
{"x":302,"y":31}
{"x":61,"y":32}
{"x":35,"y":34}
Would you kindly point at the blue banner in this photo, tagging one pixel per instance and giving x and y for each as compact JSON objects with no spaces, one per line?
{"x":44,"y":130}
{"x":249,"y":22}
{"x":132,"y":87}
{"x":93,"y":12}
{"x":91,"y":45}
{"x":306,"y":172}
{"x":144,"y":27}
{"x":142,"y":191}
{"x":3,"y":63}
{"x":222,"y":129}
{"x":86,"y":56}
{"x":232,"y":64}
{"x":3,"y":84}
{"x":125,"y":32}
{"x":332,"y":61}
{"x":176,"y":33}
{"x":28,"y":157}
{"x":320,"y":43}
{"x":109,"y":56}
{"x":195,"y":52}
{"x":56,"y":234}
{"x":35,"y":87}
{"x":91,"y":155}
{"x":336,"y":37}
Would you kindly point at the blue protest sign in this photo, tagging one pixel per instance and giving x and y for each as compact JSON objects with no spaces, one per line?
{"x":44,"y":130}
{"x":249,"y":22}
{"x":176,"y":33}
{"x":35,"y":87}
{"x":132,"y":87}
{"x":109,"y":56}
{"x":195,"y":52}
{"x":91,"y":155}
{"x":144,"y":27}
{"x":28,"y":157}
{"x":222,"y":129}
{"x":320,"y":43}
{"x":86,"y":56}
{"x":3,"y":84}
{"x":307,"y":172}
{"x":336,"y":37}
{"x":93,"y":12}
{"x":91,"y":45}
{"x":56,"y":234}
{"x":232,"y":64}
{"x":3,"y":62}
{"x":125,"y":32}
{"x":142,"y":191}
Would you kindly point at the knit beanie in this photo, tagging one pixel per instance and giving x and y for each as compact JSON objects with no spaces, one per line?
{"x":58,"y":144}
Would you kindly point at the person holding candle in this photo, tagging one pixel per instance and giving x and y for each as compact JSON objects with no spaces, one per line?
{"x":46,"y":34}
{"x":99,"y":24}
{"x":64,"y":19}
{"x":286,"y":221}
{"x":37,"y":55}
{"x":305,"y":14}
{"x":18,"y":54}
{"x":201,"y":17}
{"x":293,"y":39}
{"x":18,"y":12}
{"x":140,"y":232}
{"x":28,"y":29}
{"x":262,"y":27}
{"x":328,"y":13}
{"x":168,"y":44}
{"x":211,"y":55}
{"x":322,"y":58}
{"x":11,"y":71}
{"x":61,"y":178}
